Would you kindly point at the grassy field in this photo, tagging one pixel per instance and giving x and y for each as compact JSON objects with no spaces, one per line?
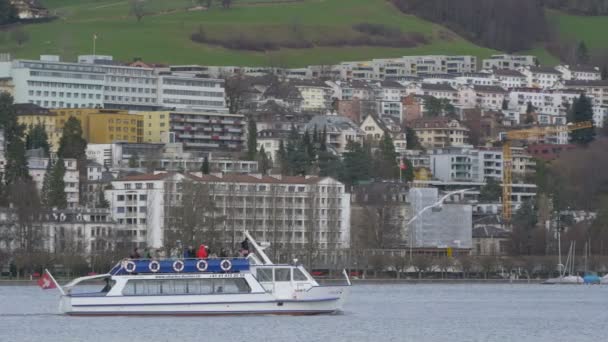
{"x":163,"y":35}
{"x":592,"y":30}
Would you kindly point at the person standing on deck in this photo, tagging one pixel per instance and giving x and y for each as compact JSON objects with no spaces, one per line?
{"x":202,"y":252}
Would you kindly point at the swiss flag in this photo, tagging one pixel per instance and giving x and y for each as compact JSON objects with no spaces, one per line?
{"x":403,"y":165}
{"x":46,"y":282}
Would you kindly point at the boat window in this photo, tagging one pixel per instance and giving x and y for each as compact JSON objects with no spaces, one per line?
{"x":298,"y":275}
{"x":282,"y":274}
{"x":264,"y":274}
{"x":140,"y":287}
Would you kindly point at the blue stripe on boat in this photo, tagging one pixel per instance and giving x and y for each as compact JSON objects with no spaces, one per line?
{"x":216,"y":303}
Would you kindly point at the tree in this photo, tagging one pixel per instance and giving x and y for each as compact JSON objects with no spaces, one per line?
{"x":282,"y":157}
{"x":16,"y":163}
{"x":385,"y":159}
{"x":524,"y":223}
{"x":19,"y":35}
{"x":57,"y":197}
{"x":505,"y":104}
{"x":72,"y":144}
{"x":226,"y":4}
{"x":605,"y":72}
{"x":357,"y":164}
{"x":252,"y":139}
{"x":407,"y":170}
{"x":8,"y":12}
{"x":530,"y":108}
{"x":102,"y":202}
{"x":422,"y":263}
{"x":491,"y":191}
{"x":37,"y":138}
{"x":236,"y":88}
{"x":582,"y":111}
{"x":137,"y":9}
{"x":205,"y":166}
{"x":45,"y":193}
{"x":264,"y":162}
{"x":411,"y":139}
{"x":433,"y":106}
{"x":582,"y":53}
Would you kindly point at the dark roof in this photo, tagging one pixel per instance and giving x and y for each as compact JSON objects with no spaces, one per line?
{"x":282,"y":91}
{"x":230,"y":177}
{"x":577,"y":83}
{"x":391,"y":84}
{"x":308,"y":83}
{"x":379,"y":122}
{"x":585,"y":68}
{"x":437,"y":87}
{"x":508,"y":72}
{"x":31,"y":109}
{"x":544,"y":70}
{"x":489,"y":88}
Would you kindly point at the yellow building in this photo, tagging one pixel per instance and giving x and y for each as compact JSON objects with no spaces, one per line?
{"x":30,"y":115}
{"x":104,"y":126}
{"x":156,"y":126}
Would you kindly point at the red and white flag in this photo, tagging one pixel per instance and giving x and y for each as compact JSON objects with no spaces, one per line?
{"x":403,"y":165}
{"x":46,"y":282}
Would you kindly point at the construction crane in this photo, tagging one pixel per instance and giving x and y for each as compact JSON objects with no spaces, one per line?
{"x":520,"y":134}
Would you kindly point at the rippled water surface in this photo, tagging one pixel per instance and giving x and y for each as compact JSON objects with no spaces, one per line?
{"x":373,"y":313}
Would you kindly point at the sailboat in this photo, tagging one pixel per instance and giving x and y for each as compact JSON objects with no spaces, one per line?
{"x":567,"y":274}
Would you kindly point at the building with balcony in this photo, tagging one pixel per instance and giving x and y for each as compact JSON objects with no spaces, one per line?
{"x":207,"y":130}
{"x":466,"y":164}
{"x":37,"y":168}
{"x":292,"y":212}
{"x":509,"y":61}
{"x":339,"y":131}
{"x":440,"y":132}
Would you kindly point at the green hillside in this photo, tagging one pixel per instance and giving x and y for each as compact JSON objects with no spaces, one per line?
{"x":592,"y":30}
{"x":163,"y":35}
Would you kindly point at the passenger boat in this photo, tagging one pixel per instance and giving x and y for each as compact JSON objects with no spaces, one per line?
{"x":226,"y":286}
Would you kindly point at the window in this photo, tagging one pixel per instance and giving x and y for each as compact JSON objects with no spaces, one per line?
{"x":185,"y":286}
{"x":264,"y":274}
{"x":282,"y":274}
{"x":143,"y":197}
{"x":298,"y":275}
{"x":120,"y":198}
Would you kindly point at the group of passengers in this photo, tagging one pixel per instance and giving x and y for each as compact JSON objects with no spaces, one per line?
{"x":203,"y":252}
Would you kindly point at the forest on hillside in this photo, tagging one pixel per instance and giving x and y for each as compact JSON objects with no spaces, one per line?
{"x":580,"y":7}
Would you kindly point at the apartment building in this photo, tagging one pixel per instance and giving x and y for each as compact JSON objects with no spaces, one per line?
{"x":506,"y":61}
{"x":510,"y":78}
{"x":440,"y":132}
{"x":208,"y":130}
{"x":180,"y":92}
{"x":466,"y":164}
{"x":103,"y":126}
{"x":541,"y":77}
{"x":37,"y":168}
{"x":596,"y":89}
{"x":50,"y":83}
{"x":284,"y":210}
{"x":579,"y":72}
{"x":550,"y":105}
{"x":156,"y":127}
{"x":340,"y":131}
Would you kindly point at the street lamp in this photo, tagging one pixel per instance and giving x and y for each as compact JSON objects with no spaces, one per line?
{"x":437,"y":204}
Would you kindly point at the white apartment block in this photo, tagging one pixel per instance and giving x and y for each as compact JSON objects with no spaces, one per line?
{"x":596,"y":89}
{"x":278,"y":209}
{"x":37,"y":169}
{"x":192,"y":94}
{"x":509,"y":61}
{"x":316,"y":95}
{"x":440,"y":91}
{"x":550,"y":105}
{"x":50,"y":83}
{"x":579,"y":73}
{"x":541,"y":77}
{"x":458,"y":164}
{"x":510,"y":78}
{"x":440,"y":132}
{"x":340,"y":131}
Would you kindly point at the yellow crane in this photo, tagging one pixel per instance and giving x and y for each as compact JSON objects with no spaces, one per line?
{"x":520,"y":134}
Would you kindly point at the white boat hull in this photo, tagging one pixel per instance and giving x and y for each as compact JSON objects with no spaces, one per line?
{"x":567,"y":280}
{"x":320,"y":300}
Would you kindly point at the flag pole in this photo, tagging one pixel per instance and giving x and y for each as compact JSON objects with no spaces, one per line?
{"x":94,"y":45}
{"x":55,"y":281}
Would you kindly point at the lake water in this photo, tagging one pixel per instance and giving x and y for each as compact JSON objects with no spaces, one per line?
{"x":400,"y":312}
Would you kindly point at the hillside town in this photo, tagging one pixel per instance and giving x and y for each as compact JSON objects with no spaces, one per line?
{"x":372,"y":165}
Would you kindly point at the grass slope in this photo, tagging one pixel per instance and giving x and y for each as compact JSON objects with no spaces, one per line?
{"x":163,"y":35}
{"x":591,"y":30}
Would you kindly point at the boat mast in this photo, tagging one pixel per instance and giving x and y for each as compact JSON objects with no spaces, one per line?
{"x":259,"y":250}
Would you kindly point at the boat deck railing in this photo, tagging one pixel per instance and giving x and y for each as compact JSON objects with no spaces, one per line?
{"x":177,"y":266}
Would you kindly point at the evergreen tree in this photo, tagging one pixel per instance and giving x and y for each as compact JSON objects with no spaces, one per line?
{"x":45,"y":192}
{"x":282,"y":158}
{"x":252,"y":139}
{"x":72,"y":144}
{"x":582,"y":111}
{"x":491,"y":191}
{"x":357,"y":164}
{"x":57,"y":196}
{"x":296,"y":155}
{"x":329,"y":165}
{"x":16,"y":163}
{"x":605,"y":72}
{"x":264,"y":162}
{"x":530,"y":108}
{"x":582,"y":53}
{"x":102,"y":202}
{"x":411,"y":139}
{"x":37,"y":138}
{"x":407,"y":170}
{"x":309,"y":148}
{"x":386,"y":159}
{"x":205,"y":166}
{"x":323,"y":140}
{"x":434,"y":106}
{"x":133,"y":161}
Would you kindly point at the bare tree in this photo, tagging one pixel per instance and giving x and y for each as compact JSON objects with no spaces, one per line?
{"x":137,"y":9}
{"x":422,"y":263}
{"x":20,"y":36}
{"x":487,"y":265}
{"x":444,"y":263}
{"x":466,"y":265}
